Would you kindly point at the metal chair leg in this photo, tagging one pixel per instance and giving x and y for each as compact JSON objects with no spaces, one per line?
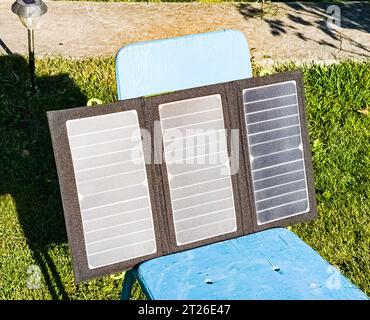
{"x":127,"y":285}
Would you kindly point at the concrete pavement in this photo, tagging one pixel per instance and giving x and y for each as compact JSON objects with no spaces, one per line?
{"x":286,"y":31}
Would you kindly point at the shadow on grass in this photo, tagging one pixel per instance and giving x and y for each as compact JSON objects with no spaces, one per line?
{"x":27,"y":169}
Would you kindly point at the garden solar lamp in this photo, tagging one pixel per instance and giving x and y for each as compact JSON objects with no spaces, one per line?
{"x":30,"y":12}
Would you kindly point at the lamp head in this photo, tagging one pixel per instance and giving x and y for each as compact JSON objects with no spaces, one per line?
{"x":29,"y":11}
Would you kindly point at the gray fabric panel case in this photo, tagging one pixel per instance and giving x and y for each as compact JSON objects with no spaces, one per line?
{"x":120,"y":212}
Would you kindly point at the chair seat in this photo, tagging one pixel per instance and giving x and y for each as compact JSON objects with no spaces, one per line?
{"x":273,"y":264}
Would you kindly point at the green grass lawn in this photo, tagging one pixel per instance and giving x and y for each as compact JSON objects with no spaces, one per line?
{"x":33,"y":243}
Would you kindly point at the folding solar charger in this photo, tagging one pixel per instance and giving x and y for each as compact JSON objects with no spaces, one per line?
{"x":132,"y":186}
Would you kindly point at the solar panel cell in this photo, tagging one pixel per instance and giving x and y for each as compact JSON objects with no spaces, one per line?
{"x":111,"y":178}
{"x":201,"y":209}
{"x":275,"y":151}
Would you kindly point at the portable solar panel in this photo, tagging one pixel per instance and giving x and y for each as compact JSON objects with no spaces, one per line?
{"x":147,"y":177}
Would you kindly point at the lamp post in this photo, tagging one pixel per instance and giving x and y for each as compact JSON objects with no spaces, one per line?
{"x":30,"y":12}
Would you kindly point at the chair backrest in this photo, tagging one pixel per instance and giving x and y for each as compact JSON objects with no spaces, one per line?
{"x":153,"y":67}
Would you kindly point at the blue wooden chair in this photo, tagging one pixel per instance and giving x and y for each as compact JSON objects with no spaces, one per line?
{"x":273,"y":264}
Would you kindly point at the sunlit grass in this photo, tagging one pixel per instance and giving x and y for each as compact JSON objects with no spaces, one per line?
{"x":32,"y":230}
